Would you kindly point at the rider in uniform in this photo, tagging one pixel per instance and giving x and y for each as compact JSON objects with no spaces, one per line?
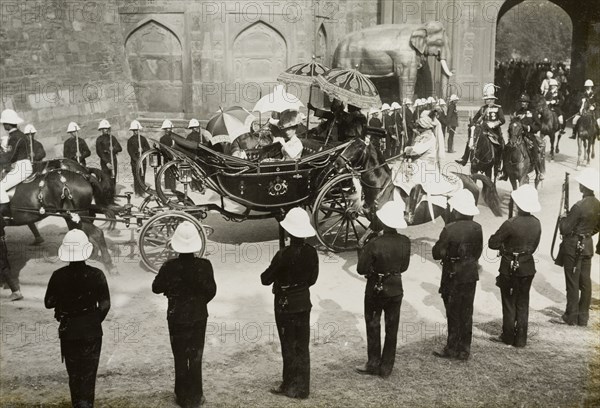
{"x":517,"y":239}
{"x":545,"y":87}
{"x":577,"y":228}
{"x":75,"y":148}
{"x":136,"y":146}
{"x":589,"y":102}
{"x":555,"y":100}
{"x":105,"y":150}
{"x":15,"y":165}
{"x":459,"y":247}
{"x":531,"y":124}
{"x":492,"y":117}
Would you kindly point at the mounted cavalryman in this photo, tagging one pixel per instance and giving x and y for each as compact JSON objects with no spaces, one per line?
{"x":531,"y":125}
{"x":555,"y":100}
{"x":589,"y":103}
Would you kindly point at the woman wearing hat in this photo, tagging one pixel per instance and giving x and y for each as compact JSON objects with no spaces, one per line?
{"x":459,"y":247}
{"x":189,"y":285}
{"x":293,"y":270}
{"x":291,"y":145}
{"x":75,"y":147}
{"x":517,"y":239}
{"x":136,"y":146}
{"x":79,"y":295}
{"x":383,"y":260}
{"x":107,"y":148}
{"x":577,"y":229}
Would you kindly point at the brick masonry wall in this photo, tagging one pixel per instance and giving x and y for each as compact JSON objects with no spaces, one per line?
{"x":63,"y":61}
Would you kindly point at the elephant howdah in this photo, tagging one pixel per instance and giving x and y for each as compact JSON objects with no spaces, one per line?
{"x":394,"y":50}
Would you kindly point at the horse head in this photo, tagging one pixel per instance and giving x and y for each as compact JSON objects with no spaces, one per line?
{"x":515,"y":131}
{"x":353,"y":157}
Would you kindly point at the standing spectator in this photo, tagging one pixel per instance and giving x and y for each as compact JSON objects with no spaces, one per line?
{"x":517,"y":239}
{"x":188,"y":282}
{"x":107,"y":148}
{"x":75,"y":148}
{"x":167,"y":140}
{"x":34,"y":148}
{"x":79,"y":295}
{"x":293,"y":270}
{"x":452,"y":121}
{"x":382,"y":261}
{"x":8,"y":277}
{"x":136,"y":146}
{"x":459,"y":247}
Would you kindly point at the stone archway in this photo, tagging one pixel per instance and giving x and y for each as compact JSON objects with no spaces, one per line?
{"x":259,"y":54}
{"x":155,"y":58}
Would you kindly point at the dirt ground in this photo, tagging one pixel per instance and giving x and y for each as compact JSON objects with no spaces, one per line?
{"x":560,"y":367}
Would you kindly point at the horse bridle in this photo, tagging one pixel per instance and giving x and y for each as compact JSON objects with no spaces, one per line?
{"x":359,"y":171}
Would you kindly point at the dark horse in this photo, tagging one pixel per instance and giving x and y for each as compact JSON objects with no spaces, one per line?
{"x":517,"y":163}
{"x":363,"y":158}
{"x":586,"y":132}
{"x":58,"y":190}
{"x":485,"y":153}
{"x":549,"y":122}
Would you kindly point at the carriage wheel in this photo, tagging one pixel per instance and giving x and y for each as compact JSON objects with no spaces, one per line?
{"x":141,"y":180}
{"x":155,"y":238}
{"x":168,"y":188}
{"x":339,"y":226}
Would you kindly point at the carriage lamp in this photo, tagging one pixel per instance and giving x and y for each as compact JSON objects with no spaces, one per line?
{"x":185,"y":173}
{"x":154,"y":160}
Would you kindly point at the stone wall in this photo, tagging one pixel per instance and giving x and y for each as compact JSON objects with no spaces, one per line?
{"x":63,"y":61}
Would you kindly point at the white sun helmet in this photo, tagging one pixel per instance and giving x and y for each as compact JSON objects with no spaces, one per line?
{"x":588,"y":83}
{"x":193,"y":123}
{"x":135,"y":125}
{"x":167,"y":124}
{"x":29,"y":129}
{"x":73,"y":127}
{"x":104,"y":124}
{"x":10,"y":117}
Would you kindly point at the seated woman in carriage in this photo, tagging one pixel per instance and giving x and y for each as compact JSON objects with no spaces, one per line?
{"x":255,"y":139}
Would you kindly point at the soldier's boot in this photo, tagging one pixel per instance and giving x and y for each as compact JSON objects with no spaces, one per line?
{"x":466,"y":157}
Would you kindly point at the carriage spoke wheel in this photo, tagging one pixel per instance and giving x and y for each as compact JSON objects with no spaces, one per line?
{"x":338,"y":224}
{"x":169,"y":190}
{"x":155,"y":238}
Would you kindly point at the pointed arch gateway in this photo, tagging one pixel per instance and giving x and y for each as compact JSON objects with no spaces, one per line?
{"x":154,"y":53}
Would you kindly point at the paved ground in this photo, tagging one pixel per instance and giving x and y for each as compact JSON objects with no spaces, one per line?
{"x":242,"y":357}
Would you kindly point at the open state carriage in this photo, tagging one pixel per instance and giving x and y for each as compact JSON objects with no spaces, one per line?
{"x":258,"y":190}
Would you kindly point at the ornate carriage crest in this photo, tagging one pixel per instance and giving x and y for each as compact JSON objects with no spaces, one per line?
{"x":278,"y":187}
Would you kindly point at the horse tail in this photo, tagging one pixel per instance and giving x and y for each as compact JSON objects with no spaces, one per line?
{"x":490,"y":194}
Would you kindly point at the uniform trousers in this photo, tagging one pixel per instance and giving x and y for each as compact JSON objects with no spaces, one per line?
{"x":137,"y":187}
{"x":380,"y":362}
{"x":294,"y":335}
{"x":579,"y":290}
{"x":105,"y":169}
{"x":459,"y":313}
{"x":451,"y":132}
{"x":81,"y":358}
{"x":515,"y":310}
{"x":187,"y":344}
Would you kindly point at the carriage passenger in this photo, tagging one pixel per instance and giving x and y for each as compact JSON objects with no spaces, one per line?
{"x":427,"y":149}
{"x":14,"y":159}
{"x":255,"y":139}
{"x":291,"y":145}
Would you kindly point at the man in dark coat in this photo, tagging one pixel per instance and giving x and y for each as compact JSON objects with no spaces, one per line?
{"x":107,"y":148}
{"x":79,"y":295}
{"x":188,"y":282}
{"x":167,"y":140}
{"x":382,"y":261}
{"x":517,"y":240}
{"x":532,"y":125}
{"x":75,"y":148}
{"x":577,"y":228}
{"x":35,"y":149}
{"x":452,"y":121}
{"x":136,"y":146}
{"x":293,"y":270}
{"x":459,"y":247}
{"x":7,"y":275}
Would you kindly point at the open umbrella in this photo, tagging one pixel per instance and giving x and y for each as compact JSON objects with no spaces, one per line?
{"x":278,"y":101}
{"x":304,"y":73}
{"x":229,"y":123}
{"x":350,"y":86}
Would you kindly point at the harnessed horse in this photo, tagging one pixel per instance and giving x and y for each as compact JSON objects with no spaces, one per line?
{"x":585,"y":133}
{"x":549,"y":122}
{"x":485,"y":152}
{"x":376,"y":181}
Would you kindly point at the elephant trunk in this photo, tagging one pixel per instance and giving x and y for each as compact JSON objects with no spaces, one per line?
{"x":443,"y":54}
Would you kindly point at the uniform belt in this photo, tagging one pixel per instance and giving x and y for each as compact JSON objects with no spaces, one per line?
{"x":78,"y":313}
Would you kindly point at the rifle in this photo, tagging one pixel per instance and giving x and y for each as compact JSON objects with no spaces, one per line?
{"x":112,"y":157}
{"x":564,"y":207}
{"x":404,"y":127}
{"x":31,"y":146}
{"x":78,"y":154}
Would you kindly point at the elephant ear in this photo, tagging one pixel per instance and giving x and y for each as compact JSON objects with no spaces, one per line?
{"x":418,"y":40}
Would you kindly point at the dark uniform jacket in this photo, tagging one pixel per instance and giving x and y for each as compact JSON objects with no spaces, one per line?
{"x":70,"y":149}
{"x":189,"y":284}
{"x":15,"y":150}
{"x":491,"y":115}
{"x":38,"y":150}
{"x":80,"y":298}
{"x":520,"y":234}
{"x":590,"y":100}
{"x":459,"y":247}
{"x":133,"y":146}
{"x":583,"y":219}
{"x":293,"y":270}
{"x":452,"y":115}
{"x":375,"y":122}
{"x":388,"y":255}
{"x":167,"y":140}
{"x":554,"y":99}
{"x":103,"y":148}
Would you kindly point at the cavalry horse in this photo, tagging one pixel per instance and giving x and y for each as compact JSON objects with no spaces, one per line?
{"x":63,"y":187}
{"x":549,"y":123}
{"x":585,"y":131}
{"x":362,"y":158}
{"x":517,"y":162}
{"x":485,"y":152}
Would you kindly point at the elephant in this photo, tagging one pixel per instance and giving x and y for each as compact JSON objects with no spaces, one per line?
{"x":394,"y":50}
